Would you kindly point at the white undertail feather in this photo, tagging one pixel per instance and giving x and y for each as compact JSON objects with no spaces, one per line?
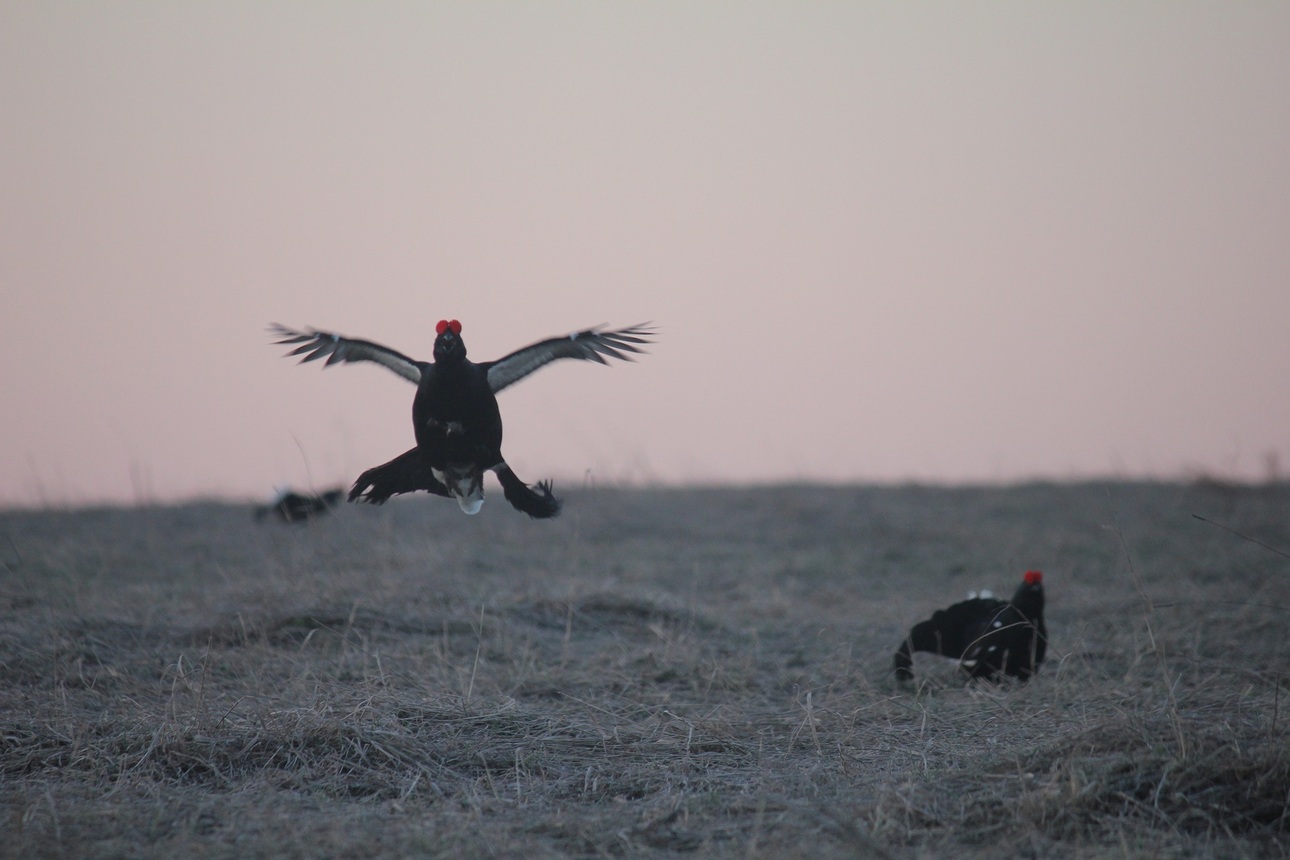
{"x":466,"y":486}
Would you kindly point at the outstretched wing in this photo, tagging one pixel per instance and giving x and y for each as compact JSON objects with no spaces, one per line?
{"x":314,"y":344}
{"x":593,"y":344}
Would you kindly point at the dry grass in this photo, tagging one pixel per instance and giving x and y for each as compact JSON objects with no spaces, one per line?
{"x":659,"y":673}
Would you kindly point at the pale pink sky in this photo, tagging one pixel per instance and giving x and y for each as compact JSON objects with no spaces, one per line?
{"x":883,"y":241}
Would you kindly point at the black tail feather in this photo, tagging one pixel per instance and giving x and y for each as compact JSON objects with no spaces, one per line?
{"x":903,"y":662}
{"x":536,"y":501}
{"x":406,"y":473}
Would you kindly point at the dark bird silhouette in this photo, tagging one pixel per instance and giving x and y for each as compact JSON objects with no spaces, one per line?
{"x":986,"y":635}
{"x":293,"y":507}
{"x":455,"y":417}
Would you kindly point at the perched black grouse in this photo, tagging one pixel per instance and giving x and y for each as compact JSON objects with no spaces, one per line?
{"x":985,"y":635}
{"x":293,"y":507}
{"x":455,"y":417}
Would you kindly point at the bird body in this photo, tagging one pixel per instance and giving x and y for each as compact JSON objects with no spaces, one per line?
{"x":293,"y":507}
{"x":986,"y":635}
{"x":455,"y":417}
{"x":458,"y":428}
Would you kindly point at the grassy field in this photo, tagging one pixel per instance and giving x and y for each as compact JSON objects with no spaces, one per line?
{"x":659,"y":673}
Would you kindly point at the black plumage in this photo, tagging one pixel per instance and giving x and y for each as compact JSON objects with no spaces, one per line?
{"x":455,"y":417}
{"x":986,"y":635}
{"x":292,"y":507}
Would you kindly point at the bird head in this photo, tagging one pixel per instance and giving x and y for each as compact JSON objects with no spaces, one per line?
{"x":1030,"y":594}
{"x":448,"y":345}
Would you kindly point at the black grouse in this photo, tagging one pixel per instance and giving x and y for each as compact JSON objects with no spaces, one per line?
{"x":986,"y":635}
{"x":293,"y":507}
{"x":455,"y":418}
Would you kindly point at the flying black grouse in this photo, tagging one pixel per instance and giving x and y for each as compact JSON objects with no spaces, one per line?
{"x":455,"y":417}
{"x":293,"y":507}
{"x":985,"y":635}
